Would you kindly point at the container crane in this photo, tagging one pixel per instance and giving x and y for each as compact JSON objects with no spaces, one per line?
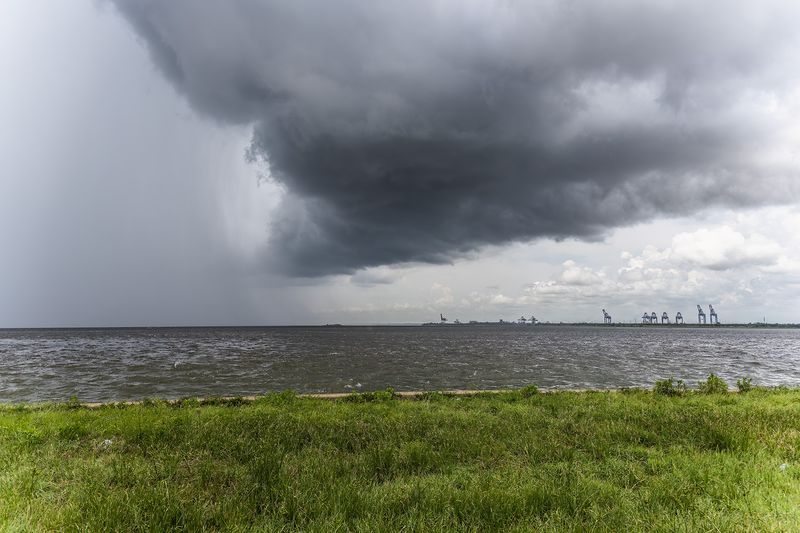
{"x":712,"y":315}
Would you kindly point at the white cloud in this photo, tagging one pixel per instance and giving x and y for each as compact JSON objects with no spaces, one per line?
{"x":723,"y":248}
{"x":441,"y":294}
{"x":581,"y":276}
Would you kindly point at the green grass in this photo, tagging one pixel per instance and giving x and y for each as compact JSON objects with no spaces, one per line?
{"x":519,"y":461}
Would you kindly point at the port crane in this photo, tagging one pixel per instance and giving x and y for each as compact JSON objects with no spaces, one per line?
{"x":664,"y":318}
{"x":701,"y":316}
{"x":523,"y":320}
{"x":442,"y":318}
{"x":679,"y":318}
{"x":645,"y":318}
{"x":712,"y":315}
{"x":653,"y":318}
{"x":606,"y":317}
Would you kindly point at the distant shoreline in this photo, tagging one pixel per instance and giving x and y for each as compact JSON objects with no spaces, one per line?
{"x":623,"y":325}
{"x":425,"y":324}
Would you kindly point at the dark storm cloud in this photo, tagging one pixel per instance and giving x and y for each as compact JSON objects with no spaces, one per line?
{"x":420,"y":131}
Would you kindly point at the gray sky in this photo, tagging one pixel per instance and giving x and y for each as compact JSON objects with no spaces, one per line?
{"x":270,"y":163}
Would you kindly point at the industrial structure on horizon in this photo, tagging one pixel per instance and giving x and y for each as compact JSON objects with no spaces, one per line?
{"x":523,"y":320}
{"x":652,"y":317}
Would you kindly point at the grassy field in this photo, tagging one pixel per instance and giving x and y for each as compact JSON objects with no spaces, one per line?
{"x":519,"y":461}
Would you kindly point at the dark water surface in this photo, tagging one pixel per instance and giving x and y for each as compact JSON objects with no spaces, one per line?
{"x":118,"y":364}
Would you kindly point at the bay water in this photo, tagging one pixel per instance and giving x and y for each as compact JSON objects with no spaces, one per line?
{"x":136,"y":363}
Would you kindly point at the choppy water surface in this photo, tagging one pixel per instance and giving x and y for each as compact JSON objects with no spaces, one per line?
{"x":117,"y":364}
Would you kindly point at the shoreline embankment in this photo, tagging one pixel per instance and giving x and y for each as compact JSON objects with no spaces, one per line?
{"x":408,"y":395}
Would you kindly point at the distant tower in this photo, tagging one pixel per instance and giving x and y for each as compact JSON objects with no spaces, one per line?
{"x":664,"y":318}
{"x":645,"y":318}
{"x":653,"y":318}
{"x":679,"y":318}
{"x":442,"y":318}
{"x":701,"y":316}
{"x":606,"y":317}
{"x":712,"y":315}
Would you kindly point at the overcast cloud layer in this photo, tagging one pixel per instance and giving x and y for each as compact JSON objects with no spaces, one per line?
{"x":421,"y":131}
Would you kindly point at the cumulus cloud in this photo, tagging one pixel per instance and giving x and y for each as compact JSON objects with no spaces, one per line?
{"x":422,"y":131}
{"x":441,"y":294}
{"x":720,"y":263}
{"x":573,"y":274}
{"x":723,"y":248}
